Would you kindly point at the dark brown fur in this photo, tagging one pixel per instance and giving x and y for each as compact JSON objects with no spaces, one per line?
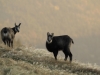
{"x":8,"y":34}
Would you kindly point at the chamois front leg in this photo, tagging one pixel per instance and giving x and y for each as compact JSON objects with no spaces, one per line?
{"x":55,"y":54}
{"x":12,"y":44}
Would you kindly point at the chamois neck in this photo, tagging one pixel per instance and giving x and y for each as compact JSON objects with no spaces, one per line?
{"x":14,"y":30}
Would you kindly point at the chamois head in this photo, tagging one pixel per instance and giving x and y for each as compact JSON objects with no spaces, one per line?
{"x":50,"y":37}
{"x":17,"y":27}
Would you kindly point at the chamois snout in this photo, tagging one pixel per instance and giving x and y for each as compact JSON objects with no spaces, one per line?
{"x":49,"y":37}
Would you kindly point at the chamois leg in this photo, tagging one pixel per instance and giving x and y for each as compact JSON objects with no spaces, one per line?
{"x":70,"y":55}
{"x":66,"y":54}
{"x":9,"y":43}
{"x":12,"y":44}
{"x":4,"y":41}
{"x":55,"y":54}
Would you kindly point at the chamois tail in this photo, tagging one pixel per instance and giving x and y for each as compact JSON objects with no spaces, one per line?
{"x":72,"y":41}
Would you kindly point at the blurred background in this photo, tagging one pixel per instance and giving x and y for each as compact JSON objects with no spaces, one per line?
{"x":80,"y":19}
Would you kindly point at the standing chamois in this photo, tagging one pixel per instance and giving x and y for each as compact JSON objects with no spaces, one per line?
{"x":8,"y":34}
{"x":57,"y":43}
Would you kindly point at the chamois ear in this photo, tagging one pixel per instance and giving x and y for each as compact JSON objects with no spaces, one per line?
{"x":52,"y":34}
{"x":19,"y":24}
{"x":48,"y":33}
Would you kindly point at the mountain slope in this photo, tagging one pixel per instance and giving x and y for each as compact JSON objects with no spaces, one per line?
{"x":30,"y":61}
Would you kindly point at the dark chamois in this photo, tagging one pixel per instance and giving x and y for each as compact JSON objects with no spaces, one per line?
{"x":8,"y":34}
{"x":57,"y":43}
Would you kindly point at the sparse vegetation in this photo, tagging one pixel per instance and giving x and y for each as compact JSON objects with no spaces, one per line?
{"x":77,"y":18}
{"x":29,"y":61}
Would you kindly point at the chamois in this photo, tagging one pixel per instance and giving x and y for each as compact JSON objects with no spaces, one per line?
{"x":8,"y":34}
{"x":57,"y":43}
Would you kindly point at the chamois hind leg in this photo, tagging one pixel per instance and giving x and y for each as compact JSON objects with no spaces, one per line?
{"x":4,"y":41}
{"x":12,"y":44}
{"x":55,"y":54}
{"x":69,"y":54}
{"x":66,"y":54}
{"x":9,"y":41}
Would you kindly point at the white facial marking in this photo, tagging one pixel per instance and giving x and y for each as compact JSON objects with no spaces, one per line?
{"x":49,"y":38}
{"x":15,"y":29}
{"x":18,"y":28}
{"x":49,"y":42}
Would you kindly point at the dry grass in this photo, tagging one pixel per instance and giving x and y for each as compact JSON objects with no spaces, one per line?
{"x":29,"y":61}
